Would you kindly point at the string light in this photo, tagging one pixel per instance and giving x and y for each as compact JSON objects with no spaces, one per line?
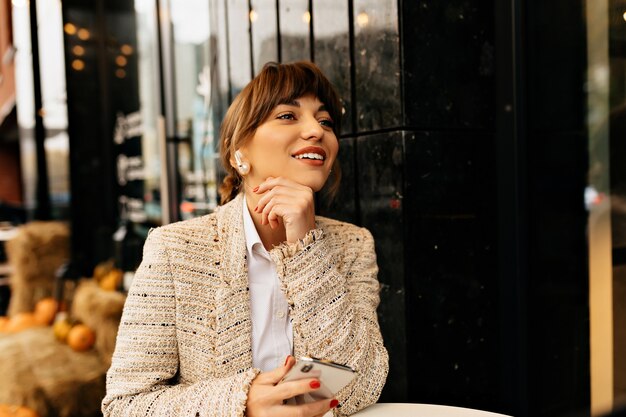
{"x":121,"y":60}
{"x":83,"y":34}
{"x":126,"y":49}
{"x":78,"y":50}
{"x":362,"y":19}
{"x":69,"y":28}
{"x":78,"y":64}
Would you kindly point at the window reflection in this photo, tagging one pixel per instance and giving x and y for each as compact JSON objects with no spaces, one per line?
{"x":148,"y":60}
{"x":240,"y":65}
{"x":264,"y":33}
{"x":295,"y":19}
{"x":195,"y":125}
{"x":54,"y":112}
{"x":605,"y":199}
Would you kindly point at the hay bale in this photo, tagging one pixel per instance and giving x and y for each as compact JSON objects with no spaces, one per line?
{"x":35,"y":254}
{"x":48,"y":376}
{"x":100,"y":310}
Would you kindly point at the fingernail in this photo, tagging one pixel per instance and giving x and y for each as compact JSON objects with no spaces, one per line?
{"x":287,"y":360}
{"x":255,"y":189}
{"x":334,"y":403}
{"x":255,"y":209}
{"x":315,"y":384}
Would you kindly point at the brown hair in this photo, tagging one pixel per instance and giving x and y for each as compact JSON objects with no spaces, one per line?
{"x":276,"y":84}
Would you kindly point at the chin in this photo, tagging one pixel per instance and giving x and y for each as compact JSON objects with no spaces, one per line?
{"x":314,"y":184}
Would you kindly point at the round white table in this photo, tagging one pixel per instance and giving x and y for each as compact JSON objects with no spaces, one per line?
{"x":421,"y":410}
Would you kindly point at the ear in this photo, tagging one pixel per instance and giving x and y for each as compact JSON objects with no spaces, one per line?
{"x":232,"y":160}
{"x":237,"y":157}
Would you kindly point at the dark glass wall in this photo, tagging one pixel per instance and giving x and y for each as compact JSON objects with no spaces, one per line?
{"x":557,"y":166}
{"x":98,"y":90}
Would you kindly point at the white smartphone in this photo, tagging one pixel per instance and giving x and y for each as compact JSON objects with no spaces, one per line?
{"x":332,"y":376}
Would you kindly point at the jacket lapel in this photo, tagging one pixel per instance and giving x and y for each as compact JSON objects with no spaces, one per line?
{"x":233,"y":324}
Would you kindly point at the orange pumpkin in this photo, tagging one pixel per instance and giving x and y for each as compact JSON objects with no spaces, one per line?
{"x":111,"y":280}
{"x":4,"y":321}
{"x":7,"y":410}
{"x":21,"y":321}
{"x":61,"y":327}
{"x":45,"y":310}
{"x":81,"y":338}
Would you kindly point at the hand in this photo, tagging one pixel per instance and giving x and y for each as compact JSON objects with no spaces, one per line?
{"x":265,"y":397}
{"x":286,"y":201}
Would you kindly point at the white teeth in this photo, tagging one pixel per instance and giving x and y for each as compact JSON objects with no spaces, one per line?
{"x":310,"y":156}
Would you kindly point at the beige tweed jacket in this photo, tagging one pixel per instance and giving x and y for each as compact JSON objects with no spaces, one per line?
{"x":184,"y":342}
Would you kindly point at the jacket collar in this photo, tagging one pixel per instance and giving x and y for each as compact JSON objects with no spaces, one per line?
{"x":233,"y":241}
{"x":234,"y":276}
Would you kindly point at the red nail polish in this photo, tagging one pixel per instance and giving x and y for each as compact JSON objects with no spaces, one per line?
{"x":334,"y":403}
{"x":287,"y":360}
{"x":255,"y":189}
{"x":255,"y":209}
{"x":315,"y":384}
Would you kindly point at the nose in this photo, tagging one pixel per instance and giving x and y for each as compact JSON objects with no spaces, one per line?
{"x":311,"y":129}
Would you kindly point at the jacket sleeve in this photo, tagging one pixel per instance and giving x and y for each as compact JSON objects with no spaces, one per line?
{"x":333,"y":300}
{"x":145,"y":361}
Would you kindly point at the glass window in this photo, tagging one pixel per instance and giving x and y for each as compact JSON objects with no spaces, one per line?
{"x":605,"y":199}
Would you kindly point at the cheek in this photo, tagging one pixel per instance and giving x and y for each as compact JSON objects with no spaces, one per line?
{"x":333,"y":147}
{"x":265,"y":147}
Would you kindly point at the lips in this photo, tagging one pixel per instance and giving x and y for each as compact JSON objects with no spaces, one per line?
{"x":313,"y":153}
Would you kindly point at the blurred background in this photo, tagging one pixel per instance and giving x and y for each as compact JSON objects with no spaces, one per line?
{"x":483,"y":144}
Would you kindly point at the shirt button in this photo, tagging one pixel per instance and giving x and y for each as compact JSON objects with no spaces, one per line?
{"x":280,"y":314}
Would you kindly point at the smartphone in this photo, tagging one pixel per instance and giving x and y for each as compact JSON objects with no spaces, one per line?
{"x":332,"y":376}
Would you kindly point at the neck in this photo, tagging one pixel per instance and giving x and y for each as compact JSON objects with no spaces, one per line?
{"x":269,"y":237}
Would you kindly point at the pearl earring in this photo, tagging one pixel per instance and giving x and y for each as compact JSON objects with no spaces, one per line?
{"x":242,"y":167}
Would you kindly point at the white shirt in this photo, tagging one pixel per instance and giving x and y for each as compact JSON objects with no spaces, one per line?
{"x":272,"y":333}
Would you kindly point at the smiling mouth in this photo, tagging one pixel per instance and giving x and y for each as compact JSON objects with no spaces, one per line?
{"x":310,"y":155}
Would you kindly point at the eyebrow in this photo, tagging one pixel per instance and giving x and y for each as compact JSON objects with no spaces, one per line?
{"x":296,"y":103}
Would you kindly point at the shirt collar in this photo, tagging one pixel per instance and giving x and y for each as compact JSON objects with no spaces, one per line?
{"x":252,"y":236}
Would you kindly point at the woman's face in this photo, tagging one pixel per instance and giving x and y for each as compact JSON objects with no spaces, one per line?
{"x":296,"y":141}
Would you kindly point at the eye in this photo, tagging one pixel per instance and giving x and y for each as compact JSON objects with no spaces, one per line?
{"x":286,"y":116}
{"x":327,"y":123}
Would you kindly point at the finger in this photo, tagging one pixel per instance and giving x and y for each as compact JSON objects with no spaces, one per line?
{"x":305,"y":194}
{"x":288,"y":212}
{"x":274,"y":376}
{"x":271,"y":182}
{"x":281,"y":191}
{"x":290,"y":389}
{"x":317,"y":408}
{"x":271,"y":214}
{"x":290,"y":361}
{"x":267,"y":210}
{"x":272,"y":218}
{"x":265,"y":198}
{"x":274,"y":211}
{"x":266,"y":185}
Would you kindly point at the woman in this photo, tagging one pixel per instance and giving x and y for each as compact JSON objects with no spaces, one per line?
{"x":220,"y":303}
